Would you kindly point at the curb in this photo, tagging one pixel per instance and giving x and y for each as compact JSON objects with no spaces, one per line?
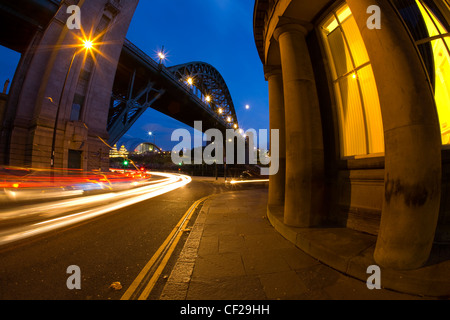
{"x":177,"y":285}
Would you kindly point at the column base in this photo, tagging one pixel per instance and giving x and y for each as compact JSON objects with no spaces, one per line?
{"x":351,"y":252}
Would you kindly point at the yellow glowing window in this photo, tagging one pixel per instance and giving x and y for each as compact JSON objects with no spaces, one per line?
{"x":428,"y":24}
{"x":358,"y":105}
{"x":441,"y":58}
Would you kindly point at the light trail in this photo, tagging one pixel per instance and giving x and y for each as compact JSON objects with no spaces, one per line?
{"x":82,"y":209}
{"x":248,"y":181}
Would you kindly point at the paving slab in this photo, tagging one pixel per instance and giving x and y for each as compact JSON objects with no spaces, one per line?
{"x":234,"y":252}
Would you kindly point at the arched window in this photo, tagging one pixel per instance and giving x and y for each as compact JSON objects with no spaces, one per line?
{"x":360,"y":121}
{"x":427,"y":21}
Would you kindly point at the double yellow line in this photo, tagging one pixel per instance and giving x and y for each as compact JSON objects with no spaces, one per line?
{"x":144,"y":283}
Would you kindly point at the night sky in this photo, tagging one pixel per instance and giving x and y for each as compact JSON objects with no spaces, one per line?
{"x":219,"y":32}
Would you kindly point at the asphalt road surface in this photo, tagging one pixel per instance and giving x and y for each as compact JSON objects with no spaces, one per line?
{"x":110,"y":248}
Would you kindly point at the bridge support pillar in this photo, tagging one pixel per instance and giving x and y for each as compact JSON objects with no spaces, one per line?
{"x":63,"y":101}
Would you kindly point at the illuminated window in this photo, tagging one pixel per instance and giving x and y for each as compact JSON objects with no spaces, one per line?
{"x":360,"y":122}
{"x":429,"y":28}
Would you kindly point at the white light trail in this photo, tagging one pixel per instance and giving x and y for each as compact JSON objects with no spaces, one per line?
{"x":248,"y":181}
{"x":85,"y":208}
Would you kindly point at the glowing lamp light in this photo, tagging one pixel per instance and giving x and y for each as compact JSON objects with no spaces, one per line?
{"x":88,"y":44}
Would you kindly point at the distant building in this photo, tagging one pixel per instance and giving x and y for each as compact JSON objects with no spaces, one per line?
{"x":139,"y":147}
{"x":121,"y":153}
{"x":361,"y":92}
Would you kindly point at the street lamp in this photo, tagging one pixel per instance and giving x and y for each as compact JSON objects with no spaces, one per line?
{"x":151,"y":134}
{"x":86,"y":45}
{"x":162,"y":56}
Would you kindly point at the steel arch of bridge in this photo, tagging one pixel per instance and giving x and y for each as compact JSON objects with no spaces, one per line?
{"x":207,"y":82}
{"x":153,"y":85}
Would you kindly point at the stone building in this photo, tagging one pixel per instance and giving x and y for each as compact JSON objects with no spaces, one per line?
{"x":360,"y":91}
{"x":58,"y":105}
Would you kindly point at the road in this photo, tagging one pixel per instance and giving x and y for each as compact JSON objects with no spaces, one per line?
{"x":112,"y":247}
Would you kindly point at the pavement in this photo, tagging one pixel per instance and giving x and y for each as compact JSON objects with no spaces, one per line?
{"x":234,"y":252}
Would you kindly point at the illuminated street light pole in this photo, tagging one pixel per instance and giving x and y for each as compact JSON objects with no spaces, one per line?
{"x":162,"y":57}
{"x":152,"y":134}
{"x":87,"y":45}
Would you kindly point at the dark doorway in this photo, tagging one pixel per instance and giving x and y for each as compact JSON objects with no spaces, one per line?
{"x":75,"y":159}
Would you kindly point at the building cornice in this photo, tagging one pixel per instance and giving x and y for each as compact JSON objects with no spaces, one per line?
{"x":260,"y":14}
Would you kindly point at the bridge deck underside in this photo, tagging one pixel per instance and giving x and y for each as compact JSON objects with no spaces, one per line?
{"x":19,"y":21}
{"x":171,"y":97}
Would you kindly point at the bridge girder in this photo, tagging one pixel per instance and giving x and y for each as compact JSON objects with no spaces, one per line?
{"x":142,"y":83}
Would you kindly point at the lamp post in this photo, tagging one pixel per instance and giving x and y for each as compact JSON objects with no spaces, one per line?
{"x":86,"y":45}
{"x":152,"y":134}
{"x":162,"y":56}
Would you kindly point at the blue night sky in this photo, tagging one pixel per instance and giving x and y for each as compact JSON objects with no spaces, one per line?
{"x":219,"y":32}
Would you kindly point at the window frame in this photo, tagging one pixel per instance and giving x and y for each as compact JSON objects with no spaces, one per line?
{"x":333,"y":78}
{"x":428,"y":40}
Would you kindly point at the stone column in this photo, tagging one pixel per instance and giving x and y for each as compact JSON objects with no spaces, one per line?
{"x":412,"y":137}
{"x":277,"y":122}
{"x":304,"y":143}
